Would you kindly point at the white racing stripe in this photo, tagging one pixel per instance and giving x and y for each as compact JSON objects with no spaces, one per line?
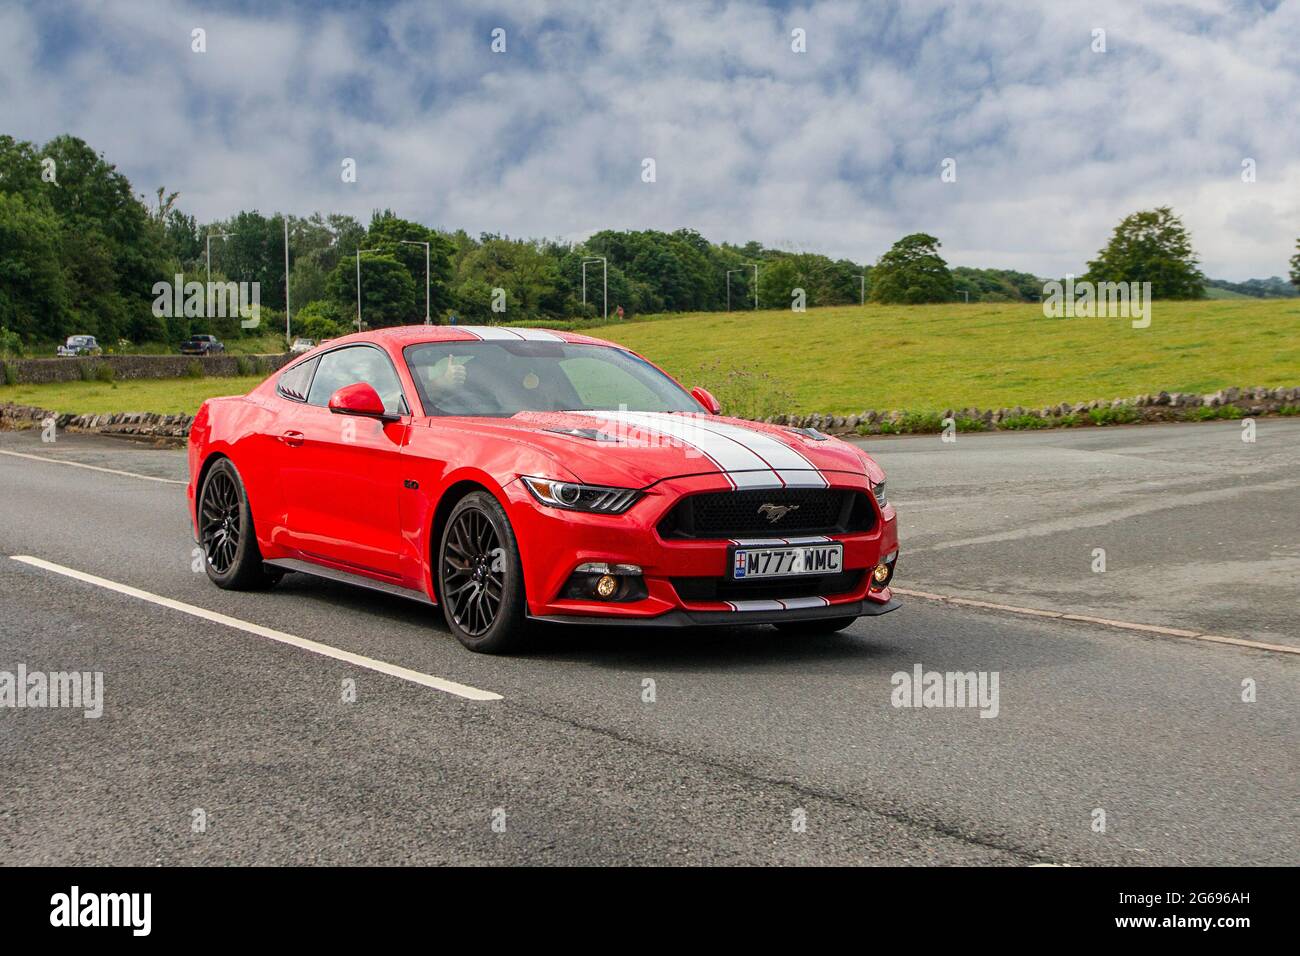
{"x":725,"y":456}
{"x":749,"y":459}
{"x":537,"y":335}
{"x":755,"y":605}
{"x":488,"y":332}
{"x":784,"y":604}
{"x":805,"y":602}
{"x":324,"y":650}
{"x":769,"y":542}
{"x":77,"y":464}
{"x":495,"y":333}
{"x":790,"y":465}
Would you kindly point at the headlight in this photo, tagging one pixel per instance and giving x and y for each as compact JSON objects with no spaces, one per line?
{"x":575,"y":497}
{"x":879,"y":489}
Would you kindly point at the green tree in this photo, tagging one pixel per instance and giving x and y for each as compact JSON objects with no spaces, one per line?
{"x":1151,"y":246}
{"x":319,"y":320}
{"x":1295,"y":266}
{"x":33,"y":293}
{"x":92,"y":194}
{"x":912,"y":272}
{"x":997,"y":285}
{"x":394,"y":237}
{"x":252,"y":251}
{"x":388,"y":296}
{"x":530,"y":277}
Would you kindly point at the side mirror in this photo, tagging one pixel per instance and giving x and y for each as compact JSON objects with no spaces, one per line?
{"x":359,"y":398}
{"x":705,"y":398}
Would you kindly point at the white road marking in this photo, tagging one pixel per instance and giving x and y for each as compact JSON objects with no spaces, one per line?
{"x":1106,"y":622}
{"x":325,"y":650}
{"x":78,"y":464}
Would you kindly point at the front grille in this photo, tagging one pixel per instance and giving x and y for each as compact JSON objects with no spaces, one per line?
{"x":736,"y":514}
{"x":725,"y":589}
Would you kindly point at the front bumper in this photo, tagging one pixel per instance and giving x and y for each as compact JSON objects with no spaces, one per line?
{"x":685,"y":618}
{"x":553,"y":543}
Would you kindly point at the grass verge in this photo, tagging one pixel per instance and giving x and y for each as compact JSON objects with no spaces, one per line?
{"x":166,"y":396}
{"x":843,"y":360}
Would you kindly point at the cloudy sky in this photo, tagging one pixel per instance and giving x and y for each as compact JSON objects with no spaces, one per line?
{"x":838,"y":149}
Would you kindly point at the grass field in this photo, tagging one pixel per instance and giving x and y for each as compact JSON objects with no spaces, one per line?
{"x":167,"y":396}
{"x":847,"y":359}
{"x":925,"y":358}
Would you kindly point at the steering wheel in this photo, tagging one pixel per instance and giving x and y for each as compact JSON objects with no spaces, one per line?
{"x":458,"y":402}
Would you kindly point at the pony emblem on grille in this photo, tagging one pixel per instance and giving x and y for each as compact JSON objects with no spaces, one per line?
{"x":774,"y":512}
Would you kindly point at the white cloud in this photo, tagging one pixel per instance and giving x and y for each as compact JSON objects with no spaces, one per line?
{"x":837,"y":149}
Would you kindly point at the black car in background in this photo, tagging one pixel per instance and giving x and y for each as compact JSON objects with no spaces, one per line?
{"x":201,"y":345}
{"x":79,"y":345}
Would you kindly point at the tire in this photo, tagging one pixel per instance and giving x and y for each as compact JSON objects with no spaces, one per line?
{"x":231,"y":557}
{"x":481,"y":577}
{"x":825,"y":625}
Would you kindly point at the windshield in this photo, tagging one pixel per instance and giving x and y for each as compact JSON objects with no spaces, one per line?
{"x":503,"y":378}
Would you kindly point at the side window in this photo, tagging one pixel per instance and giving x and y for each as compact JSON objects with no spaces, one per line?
{"x":357,"y":363}
{"x":294,"y":383}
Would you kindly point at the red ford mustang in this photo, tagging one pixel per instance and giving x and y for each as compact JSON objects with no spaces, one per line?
{"x":519,"y":475}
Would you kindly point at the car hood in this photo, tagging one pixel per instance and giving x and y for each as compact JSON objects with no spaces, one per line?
{"x":637,"y":449}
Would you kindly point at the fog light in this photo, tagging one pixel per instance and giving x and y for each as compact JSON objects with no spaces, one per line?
{"x":606,"y":586}
{"x":883,"y":572}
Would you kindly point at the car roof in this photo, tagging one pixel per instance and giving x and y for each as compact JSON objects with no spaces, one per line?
{"x":400,"y":336}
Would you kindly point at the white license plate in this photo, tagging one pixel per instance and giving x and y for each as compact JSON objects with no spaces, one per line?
{"x":787,"y":561}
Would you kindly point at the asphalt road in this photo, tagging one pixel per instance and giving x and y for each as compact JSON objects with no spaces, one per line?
{"x":747,"y":728}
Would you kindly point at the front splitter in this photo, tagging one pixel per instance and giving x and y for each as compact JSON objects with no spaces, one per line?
{"x":682,"y":618}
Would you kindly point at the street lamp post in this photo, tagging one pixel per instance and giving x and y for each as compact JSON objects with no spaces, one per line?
{"x":359,"y":251}
{"x":207,"y":286}
{"x":287,"y":340}
{"x":605,"y":270}
{"x":412,"y":242}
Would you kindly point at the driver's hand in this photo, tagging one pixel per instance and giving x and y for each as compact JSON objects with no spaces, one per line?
{"x":454,"y":376}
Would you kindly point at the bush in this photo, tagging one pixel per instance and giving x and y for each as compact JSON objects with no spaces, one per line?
{"x":744,"y":393}
{"x":909,"y":423}
{"x":319,"y":320}
{"x":971,"y":425}
{"x":194,"y":369}
{"x":103,"y":372}
{"x":1206,"y":413}
{"x":1024,"y":422}
{"x":1117,"y":415}
{"x":11,"y":374}
{"x":244,"y":365}
{"x":11,"y":346}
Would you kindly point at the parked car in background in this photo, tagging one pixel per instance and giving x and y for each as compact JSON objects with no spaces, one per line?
{"x":301,"y":345}
{"x":201,"y":345}
{"x":80,"y":345}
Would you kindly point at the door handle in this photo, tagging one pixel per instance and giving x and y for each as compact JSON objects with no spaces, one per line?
{"x":292,"y":439}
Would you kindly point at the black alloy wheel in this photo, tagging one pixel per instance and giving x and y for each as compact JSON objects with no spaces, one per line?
{"x":231,"y":557}
{"x":480,"y":576}
{"x":220,"y":521}
{"x":473,"y":572}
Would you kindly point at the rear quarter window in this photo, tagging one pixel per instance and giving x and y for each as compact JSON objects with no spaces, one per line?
{"x":296,"y":382}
